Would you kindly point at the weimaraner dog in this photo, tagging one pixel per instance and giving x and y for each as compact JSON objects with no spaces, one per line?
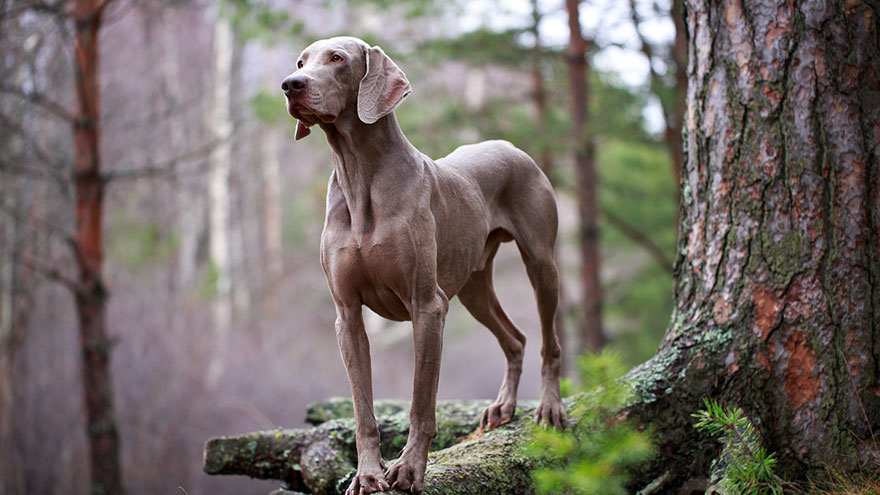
{"x":404,"y":234}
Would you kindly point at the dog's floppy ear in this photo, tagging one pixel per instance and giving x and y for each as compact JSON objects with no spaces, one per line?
{"x":302,"y":130}
{"x":383,"y":87}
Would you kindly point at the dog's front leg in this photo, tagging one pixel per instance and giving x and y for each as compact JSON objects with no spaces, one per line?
{"x":355,"y":349}
{"x":408,"y":472}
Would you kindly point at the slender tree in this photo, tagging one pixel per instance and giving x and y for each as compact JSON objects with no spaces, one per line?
{"x":91,"y":294}
{"x":585,"y":171}
{"x":670,"y":91}
{"x":220,"y":124}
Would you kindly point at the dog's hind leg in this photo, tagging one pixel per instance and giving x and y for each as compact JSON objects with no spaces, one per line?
{"x":534,"y":224}
{"x":478,"y":296}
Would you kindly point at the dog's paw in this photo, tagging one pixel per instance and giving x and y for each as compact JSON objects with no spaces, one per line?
{"x":551,"y":412}
{"x":497,"y":414}
{"x":367,"y":482}
{"x":407,"y":473}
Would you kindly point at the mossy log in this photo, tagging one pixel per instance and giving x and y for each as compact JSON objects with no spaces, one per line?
{"x":321,"y":459}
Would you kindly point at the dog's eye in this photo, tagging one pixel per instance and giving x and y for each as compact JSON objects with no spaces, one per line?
{"x":299,"y":65}
{"x":336,"y":58}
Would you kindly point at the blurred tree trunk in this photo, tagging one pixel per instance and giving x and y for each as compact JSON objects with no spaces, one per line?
{"x":670,"y":94}
{"x":244,"y":190}
{"x":679,"y":55}
{"x":188,"y":196}
{"x":778,"y":272}
{"x":591,"y":333}
{"x":220,"y":126}
{"x":272,"y":138}
{"x":91,"y":294}
{"x":545,"y":161}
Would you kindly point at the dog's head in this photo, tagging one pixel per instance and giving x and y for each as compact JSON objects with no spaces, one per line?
{"x":340,"y":75}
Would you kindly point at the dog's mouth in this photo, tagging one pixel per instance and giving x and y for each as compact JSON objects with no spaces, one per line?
{"x":307,"y":115}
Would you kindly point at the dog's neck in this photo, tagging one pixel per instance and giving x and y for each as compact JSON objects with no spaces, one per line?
{"x":364,"y":155}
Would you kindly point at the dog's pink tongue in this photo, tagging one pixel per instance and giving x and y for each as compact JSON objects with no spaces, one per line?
{"x":302,"y":130}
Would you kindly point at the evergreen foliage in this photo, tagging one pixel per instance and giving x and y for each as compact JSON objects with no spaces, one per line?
{"x":593,"y":455}
{"x":746,"y":467}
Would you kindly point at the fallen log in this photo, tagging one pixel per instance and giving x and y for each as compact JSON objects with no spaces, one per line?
{"x":321,"y":459}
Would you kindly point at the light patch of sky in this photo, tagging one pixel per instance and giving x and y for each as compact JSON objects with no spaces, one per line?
{"x":608,"y":22}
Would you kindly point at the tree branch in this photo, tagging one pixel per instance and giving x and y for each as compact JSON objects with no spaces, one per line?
{"x":52,"y":274}
{"x":163,"y":168}
{"x":41,"y":100}
{"x":648,"y":51}
{"x":639,"y":238}
{"x":36,"y":6}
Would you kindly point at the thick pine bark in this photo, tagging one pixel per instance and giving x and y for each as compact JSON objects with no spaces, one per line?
{"x":585,"y":172}
{"x":777,"y":297}
{"x":91,"y":296}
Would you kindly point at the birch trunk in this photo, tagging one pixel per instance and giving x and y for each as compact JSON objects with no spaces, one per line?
{"x":220,"y":124}
{"x":189,"y":201}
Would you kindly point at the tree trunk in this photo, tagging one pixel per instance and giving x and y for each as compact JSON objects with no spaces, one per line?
{"x":585,"y":170}
{"x":91,"y":296}
{"x":273,"y":136}
{"x":545,"y":161}
{"x":777,"y":296}
{"x":679,"y":56}
{"x":671,"y":96}
{"x":188,"y":197}
{"x":220,"y":124}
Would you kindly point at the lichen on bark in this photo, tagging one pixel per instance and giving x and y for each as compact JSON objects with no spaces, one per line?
{"x":321,"y":459}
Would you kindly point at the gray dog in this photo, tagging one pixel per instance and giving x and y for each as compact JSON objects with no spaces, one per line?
{"x":404,"y":234}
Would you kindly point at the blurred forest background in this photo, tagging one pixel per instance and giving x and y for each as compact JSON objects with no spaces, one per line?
{"x":218,"y":316}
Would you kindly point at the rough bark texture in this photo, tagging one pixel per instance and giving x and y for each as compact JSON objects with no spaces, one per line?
{"x":322,"y":459}
{"x":91,"y":296}
{"x":777,"y":273}
{"x":592,"y":337}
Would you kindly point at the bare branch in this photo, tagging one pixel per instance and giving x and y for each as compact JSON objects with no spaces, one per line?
{"x":640,"y":238}
{"x":44,"y":223}
{"x":648,"y":52}
{"x":164,"y":168}
{"x":40,"y":153}
{"x":41,"y":100}
{"x":52,"y":274}
{"x":36,"y":6}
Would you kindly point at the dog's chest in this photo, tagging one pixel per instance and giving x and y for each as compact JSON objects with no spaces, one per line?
{"x":374,"y":268}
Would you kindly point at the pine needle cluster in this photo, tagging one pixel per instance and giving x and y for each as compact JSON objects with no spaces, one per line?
{"x":746,"y":467}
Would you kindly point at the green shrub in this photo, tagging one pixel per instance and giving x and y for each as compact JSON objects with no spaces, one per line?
{"x":593,"y":454}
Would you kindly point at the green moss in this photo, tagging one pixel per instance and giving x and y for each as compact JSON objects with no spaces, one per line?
{"x":783,"y":255}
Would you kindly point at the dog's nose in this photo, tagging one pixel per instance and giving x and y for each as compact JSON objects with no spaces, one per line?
{"x":294,"y":84}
